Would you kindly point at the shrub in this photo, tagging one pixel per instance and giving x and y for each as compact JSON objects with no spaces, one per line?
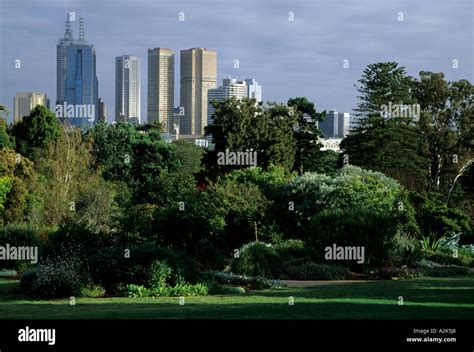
{"x":395,"y":273}
{"x":257,"y":259}
{"x":27,"y":279}
{"x":429,"y":268}
{"x":93,"y":291}
{"x":249,"y":283}
{"x":291,"y":250}
{"x":407,"y":251}
{"x":184,"y":289}
{"x":21,"y":235}
{"x":312,"y":271}
{"x":160,"y":273}
{"x":447,"y":258}
{"x":137,"y":291}
{"x":111,"y":267}
{"x":373,"y":230}
{"x":57,"y":277}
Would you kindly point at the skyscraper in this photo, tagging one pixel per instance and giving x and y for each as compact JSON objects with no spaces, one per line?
{"x":230,"y":88}
{"x":127,"y":88}
{"x":77,"y":85}
{"x":198,"y":75}
{"x":102,"y":111}
{"x":254,"y":90}
{"x":23,"y":103}
{"x":343,"y":124}
{"x":335,"y":125}
{"x":160,"y":103}
{"x":329,"y":127}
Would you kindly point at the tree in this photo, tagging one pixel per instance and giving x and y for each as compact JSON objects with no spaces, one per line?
{"x":5,"y":187}
{"x":242,"y":125}
{"x":21,"y":173}
{"x":131,"y":156}
{"x":447,"y":124}
{"x":39,"y":130}
{"x":189,"y":156}
{"x":5,"y":140}
{"x":382,"y":83}
{"x":306,"y":134}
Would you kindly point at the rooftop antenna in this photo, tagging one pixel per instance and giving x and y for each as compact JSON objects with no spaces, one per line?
{"x":68,"y":32}
{"x":81,"y":28}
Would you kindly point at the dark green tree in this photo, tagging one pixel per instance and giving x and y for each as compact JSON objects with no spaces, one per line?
{"x":38,"y":130}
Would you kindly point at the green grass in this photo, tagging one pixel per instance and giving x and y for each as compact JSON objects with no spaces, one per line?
{"x":424,"y":298}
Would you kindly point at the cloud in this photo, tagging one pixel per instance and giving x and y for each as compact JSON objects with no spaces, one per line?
{"x":289,"y":58}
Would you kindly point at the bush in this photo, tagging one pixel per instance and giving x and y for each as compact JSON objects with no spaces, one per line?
{"x":19,"y":236}
{"x":93,"y":291}
{"x":249,"y":283}
{"x":291,"y":250}
{"x":137,"y":291}
{"x":57,"y":277}
{"x":407,"y":251}
{"x":373,"y":230}
{"x":447,"y":258}
{"x":312,"y":271}
{"x":257,"y":259}
{"x":111,"y":267}
{"x":395,"y":273}
{"x":429,"y":268}
{"x":160,"y":273}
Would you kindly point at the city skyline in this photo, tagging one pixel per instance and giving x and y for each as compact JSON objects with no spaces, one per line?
{"x":301,"y":57}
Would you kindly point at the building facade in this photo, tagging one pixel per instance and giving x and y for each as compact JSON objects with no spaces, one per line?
{"x":254,"y":90}
{"x":23,"y":103}
{"x":127,"y":88}
{"x":230,"y":88}
{"x":335,"y":125}
{"x":77,"y":84}
{"x":160,"y":92}
{"x":198,"y":75}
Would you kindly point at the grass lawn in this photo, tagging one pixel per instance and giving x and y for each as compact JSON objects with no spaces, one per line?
{"x":424,"y":298}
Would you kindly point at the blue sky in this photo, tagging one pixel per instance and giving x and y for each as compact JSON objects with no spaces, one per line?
{"x":303,"y":57}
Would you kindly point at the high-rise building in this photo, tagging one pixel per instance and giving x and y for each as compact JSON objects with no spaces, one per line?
{"x":329,"y":126}
{"x":23,"y":103}
{"x":335,"y":125}
{"x":230,"y":88}
{"x":102,"y":111}
{"x":198,"y":75}
{"x":61,"y":61}
{"x":343,"y":126}
{"x":254,"y":90}
{"x":77,"y":85}
{"x":160,"y":103}
{"x":127,"y":88}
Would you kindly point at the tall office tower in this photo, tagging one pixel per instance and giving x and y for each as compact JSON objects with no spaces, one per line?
{"x":198,"y":75}
{"x":329,"y":126}
{"x":77,"y":85}
{"x":230,"y":88}
{"x":61,"y":61}
{"x":23,"y":103}
{"x":343,"y":125}
{"x":160,"y":104}
{"x":254,"y":90}
{"x":127,"y":88}
{"x":102,"y":111}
